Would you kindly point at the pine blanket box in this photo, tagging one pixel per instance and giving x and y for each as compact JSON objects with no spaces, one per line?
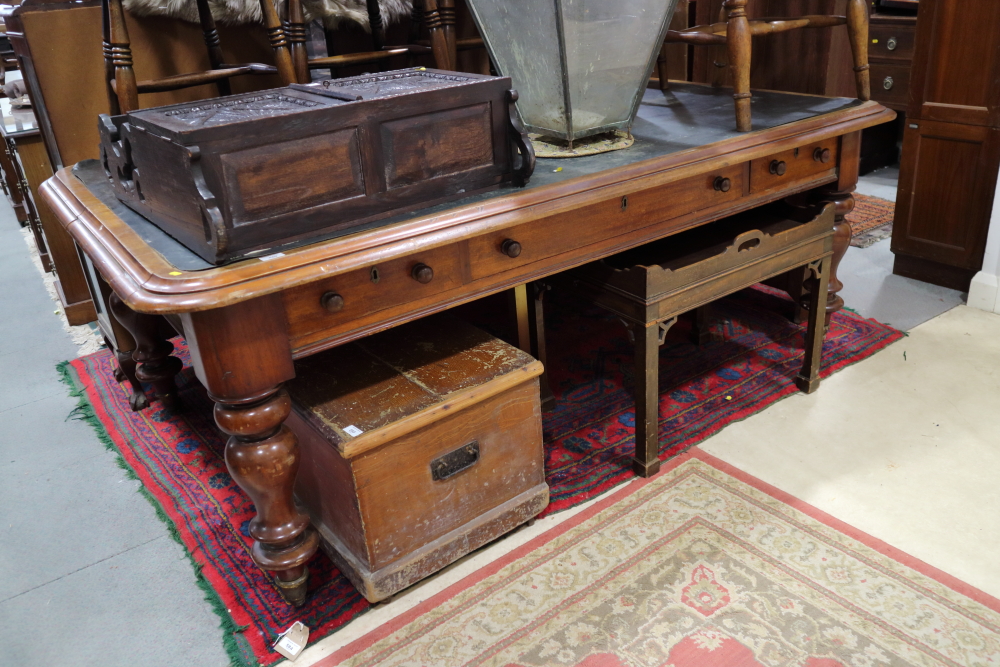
{"x":418,"y":445}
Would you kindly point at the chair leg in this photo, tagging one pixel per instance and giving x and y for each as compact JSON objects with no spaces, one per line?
{"x":857,"y":30}
{"x":646,"y":461}
{"x":211,"y":35}
{"x":118,"y":58}
{"x":536,"y":324}
{"x":661,"y":66}
{"x":279,"y":43}
{"x":739,"y":43}
{"x":701,"y":325}
{"x":819,"y":281}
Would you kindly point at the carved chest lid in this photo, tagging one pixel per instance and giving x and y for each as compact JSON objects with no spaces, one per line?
{"x":271,"y":109}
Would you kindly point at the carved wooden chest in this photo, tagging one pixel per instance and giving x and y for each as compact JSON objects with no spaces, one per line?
{"x":246,"y":174}
{"x":418,"y":445}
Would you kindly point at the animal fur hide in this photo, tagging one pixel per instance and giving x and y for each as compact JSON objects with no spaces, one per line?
{"x":234,"y":12}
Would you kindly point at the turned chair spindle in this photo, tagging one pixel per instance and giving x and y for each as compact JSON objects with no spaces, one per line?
{"x":123,"y":89}
{"x":735,"y":31}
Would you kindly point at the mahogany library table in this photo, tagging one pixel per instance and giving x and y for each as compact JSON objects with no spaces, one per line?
{"x":246,"y":322}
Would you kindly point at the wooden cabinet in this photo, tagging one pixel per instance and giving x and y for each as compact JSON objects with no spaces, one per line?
{"x":892,"y":41}
{"x":956,"y":67}
{"x":951,"y":148}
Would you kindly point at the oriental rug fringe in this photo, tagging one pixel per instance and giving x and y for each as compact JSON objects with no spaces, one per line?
{"x":750,"y":363}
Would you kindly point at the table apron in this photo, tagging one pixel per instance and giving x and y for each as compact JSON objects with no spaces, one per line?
{"x":312,"y":330}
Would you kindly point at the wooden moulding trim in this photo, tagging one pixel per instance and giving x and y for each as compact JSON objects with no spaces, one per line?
{"x":454,"y":403}
{"x":152,"y":289}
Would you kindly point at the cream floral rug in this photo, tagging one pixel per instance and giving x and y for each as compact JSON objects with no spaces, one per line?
{"x":701,"y":566}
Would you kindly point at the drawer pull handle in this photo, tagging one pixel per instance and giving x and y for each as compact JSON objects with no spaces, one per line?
{"x":822,"y":155}
{"x":332,"y":302}
{"x":892,"y":44}
{"x":723,"y":184}
{"x":455,"y":462}
{"x":511,"y":248}
{"x":888,"y":83}
{"x":778,"y":167}
{"x":422,"y":273}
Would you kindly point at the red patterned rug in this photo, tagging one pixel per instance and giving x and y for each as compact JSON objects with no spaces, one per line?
{"x":748,"y":366}
{"x":699,"y":566}
{"x":871,"y":220}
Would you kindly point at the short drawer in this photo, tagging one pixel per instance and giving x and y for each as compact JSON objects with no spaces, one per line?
{"x":892,"y":42}
{"x":339,"y":303}
{"x":891,"y":84}
{"x":491,"y":254}
{"x":802,"y":164}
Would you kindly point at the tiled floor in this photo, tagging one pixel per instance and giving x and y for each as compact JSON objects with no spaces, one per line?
{"x":88,"y":575}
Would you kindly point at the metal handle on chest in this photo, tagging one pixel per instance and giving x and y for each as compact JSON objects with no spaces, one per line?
{"x":455,"y":461}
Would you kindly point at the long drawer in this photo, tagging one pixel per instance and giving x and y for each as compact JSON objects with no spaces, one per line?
{"x":540,"y":239}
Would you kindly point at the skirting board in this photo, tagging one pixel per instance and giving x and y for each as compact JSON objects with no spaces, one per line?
{"x":984,"y":292}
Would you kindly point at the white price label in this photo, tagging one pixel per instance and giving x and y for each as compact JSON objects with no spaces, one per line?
{"x":353,"y":431}
{"x":289,"y":645}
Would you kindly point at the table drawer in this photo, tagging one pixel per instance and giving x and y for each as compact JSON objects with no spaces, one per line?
{"x":892,"y":42}
{"x":361,"y":296}
{"x":802,"y":164}
{"x":891,"y":84}
{"x":490,"y":254}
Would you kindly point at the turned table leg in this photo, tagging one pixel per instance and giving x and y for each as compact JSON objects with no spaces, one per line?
{"x":242,"y":356}
{"x":843,"y":201}
{"x":648,"y":339}
{"x":817,"y":284}
{"x":152,"y":354}
{"x":263,"y":458}
{"x":126,"y":371}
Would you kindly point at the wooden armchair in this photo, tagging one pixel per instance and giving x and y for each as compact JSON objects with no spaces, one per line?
{"x":735,"y":31}
{"x":439,"y":17}
{"x":124,"y":90}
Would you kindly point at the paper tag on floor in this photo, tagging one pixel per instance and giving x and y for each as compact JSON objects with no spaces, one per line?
{"x":292,"y":641}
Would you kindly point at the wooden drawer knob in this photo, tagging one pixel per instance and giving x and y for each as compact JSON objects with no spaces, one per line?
{"x":723,"y":184}
{"x":511,"y":248}
{"x":822,"y":155}
{"x":332,"y":302}
{"x":422,"y":273}
{"x":778,"y":167}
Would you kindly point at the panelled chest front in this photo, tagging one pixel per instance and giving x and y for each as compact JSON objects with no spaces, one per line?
{"x":249,"y":173}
